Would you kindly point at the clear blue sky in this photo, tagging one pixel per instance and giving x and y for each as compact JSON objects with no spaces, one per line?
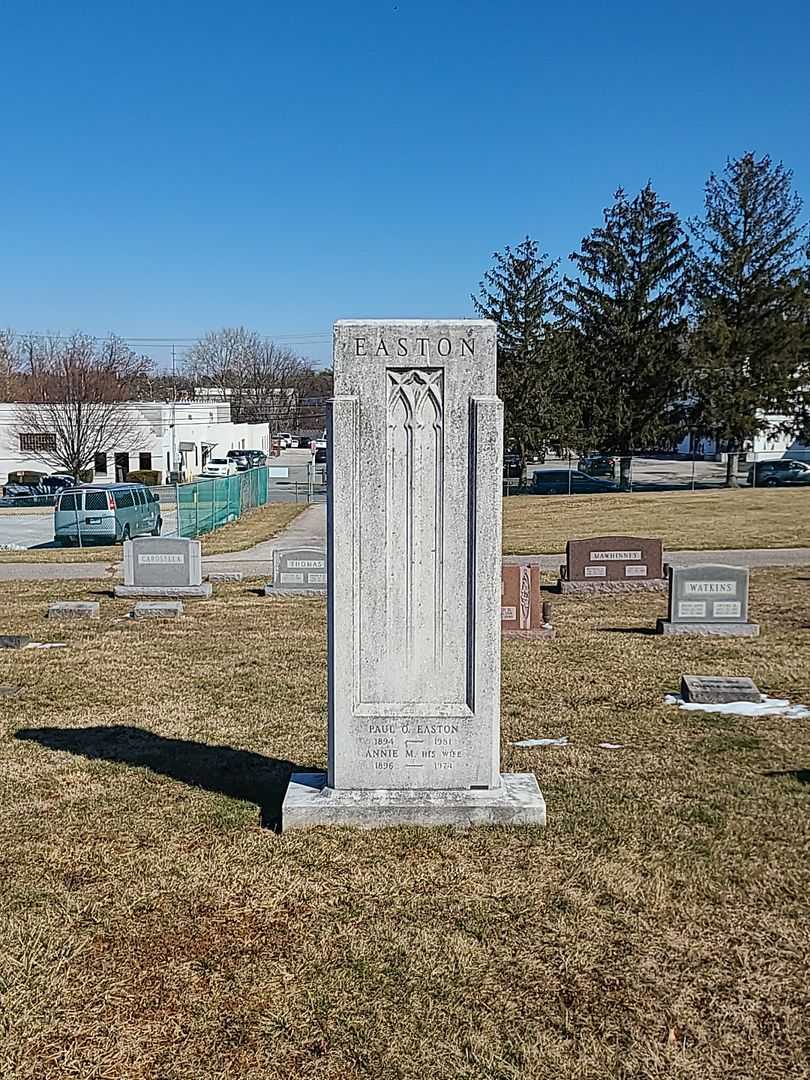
{"x":169,"y":168}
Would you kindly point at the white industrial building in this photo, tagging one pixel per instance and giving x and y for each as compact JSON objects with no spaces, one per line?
{"x":766,"y":446}
{"x":167,"y":438}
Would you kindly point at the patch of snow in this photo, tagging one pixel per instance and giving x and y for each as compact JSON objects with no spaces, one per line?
{"x":527,"y":743}
{"x":611,"y":746}
{"x":767,"y":707}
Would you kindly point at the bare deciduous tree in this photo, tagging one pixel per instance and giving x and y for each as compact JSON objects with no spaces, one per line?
{"x":74,"y":397}
{"x":263,"y":381}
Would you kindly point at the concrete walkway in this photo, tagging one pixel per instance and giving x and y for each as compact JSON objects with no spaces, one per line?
{"x":309,"y":530}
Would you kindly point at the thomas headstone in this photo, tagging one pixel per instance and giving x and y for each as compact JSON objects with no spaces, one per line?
{"x":521,"y":603}
{"x":708,"y":600}
{"x":414,"y":604}
{"x":298,"y":571}
{"x":163,"y":566}
{"x":718,"y":689}
{"x":613,"y":564}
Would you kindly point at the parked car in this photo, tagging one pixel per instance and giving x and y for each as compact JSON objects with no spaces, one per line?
{"x":106,"y":514}
{"x":598,"y":465}
{"x":320,"y":455}
{"x":240,"y":459}
{"x":216,"y":466}
{"x":779,"y":473}
{"x":26,"y":495}
{"x":513,"y":465}
{"x":256,"y":458}
{"x":284,"y":440}
{"x":556,"y":482}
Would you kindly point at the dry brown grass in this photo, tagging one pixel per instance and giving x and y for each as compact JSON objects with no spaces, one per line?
{"x":150,"y":930}
{"x":703,"y":520}
{"x":251,"y":528}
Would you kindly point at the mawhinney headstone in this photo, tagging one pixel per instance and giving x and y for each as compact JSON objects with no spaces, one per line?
{"x":163,"y":566}
{"x":521,"y":605}
{"x":708,"y":600}
{"x":414,"y":531}
{"x":718,"y":689}
{"x":613,"y":564}
{"x":298,"y":571}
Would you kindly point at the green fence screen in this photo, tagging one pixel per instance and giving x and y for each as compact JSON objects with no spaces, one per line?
{"x":207,"y":504}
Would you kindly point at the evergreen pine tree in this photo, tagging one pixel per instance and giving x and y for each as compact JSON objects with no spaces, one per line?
{"x":521,"y":292}
{"x":627,"y":307}
{"x":747,"y":345}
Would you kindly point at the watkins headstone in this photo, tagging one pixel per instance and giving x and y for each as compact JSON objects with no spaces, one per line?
{"x":708,"y":600}
{"x":414,"y":604}
{"x":297,"y":571}
{"x":163,"y":566}
{"x":718,"y":689}
{"x":521,"y":604}
{"x":613,"y":564}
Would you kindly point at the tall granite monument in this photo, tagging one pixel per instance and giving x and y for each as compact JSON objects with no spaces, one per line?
{"x":414,"y":585}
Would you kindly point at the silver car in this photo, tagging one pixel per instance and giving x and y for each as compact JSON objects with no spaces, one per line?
{"x":106,"y":514}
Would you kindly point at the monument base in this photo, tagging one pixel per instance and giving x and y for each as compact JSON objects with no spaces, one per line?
{"x":281,"y":592}
{"x":309,"y":802}
{"x":591,"y":587}
{"x":179,"y":592}
{"x":728,"y":629}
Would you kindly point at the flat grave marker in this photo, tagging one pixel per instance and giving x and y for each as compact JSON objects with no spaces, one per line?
{"x":718,"y":689}
{"x":158,"y":609}
{"x":73,"y":609}
{"x":14,"y":641}
{"x":613,"y":564}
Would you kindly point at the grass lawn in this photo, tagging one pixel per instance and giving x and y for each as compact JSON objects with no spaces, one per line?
{"x":150,"y":930}
{"x":252,"y":527}
{"x":534,"y":524}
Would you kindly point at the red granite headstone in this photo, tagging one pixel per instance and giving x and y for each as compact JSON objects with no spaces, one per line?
{"x":613,"y":564}
{"x":521,"y":606}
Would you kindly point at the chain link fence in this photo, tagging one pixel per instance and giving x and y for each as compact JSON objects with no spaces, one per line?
{"x":577,"y":474}
{"x":204,"y":505}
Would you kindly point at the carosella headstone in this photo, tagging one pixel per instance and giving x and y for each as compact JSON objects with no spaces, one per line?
{"x":708,"y":600}
{"x":163,"y":566}
{"x":298,"y":571}
{"x":414,"y":574}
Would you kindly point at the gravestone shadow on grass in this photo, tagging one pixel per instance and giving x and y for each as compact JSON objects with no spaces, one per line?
{"x":802,"y":776}
{"x":238,"y":774}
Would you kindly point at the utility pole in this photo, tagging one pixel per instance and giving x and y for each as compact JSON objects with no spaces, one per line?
{"x":174,"y":410}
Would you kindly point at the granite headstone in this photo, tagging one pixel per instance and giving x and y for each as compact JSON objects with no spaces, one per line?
{"x":613,"y":564}
{"x":521,"y":603}
{"x":163,"y":566}
{"x":298,"y":570}
{"x":709,"y":600}
{"x":414,"y":559}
